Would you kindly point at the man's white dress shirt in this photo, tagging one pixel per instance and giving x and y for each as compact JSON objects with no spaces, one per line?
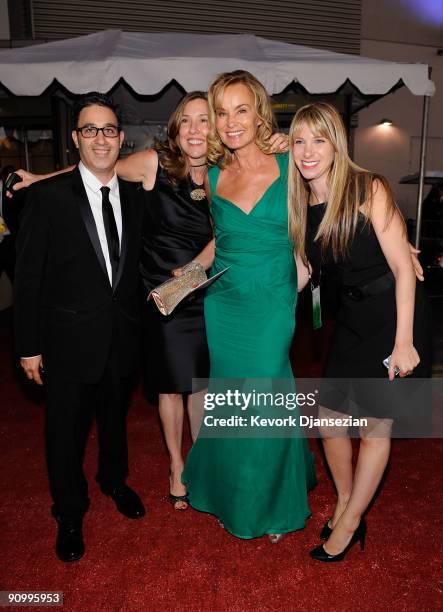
{"x":93,"y":186}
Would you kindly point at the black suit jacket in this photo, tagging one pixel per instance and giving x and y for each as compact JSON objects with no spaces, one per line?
{"x":65,"y":307}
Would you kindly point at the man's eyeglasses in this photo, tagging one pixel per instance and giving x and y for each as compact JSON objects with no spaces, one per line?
{"x":91,"y":131}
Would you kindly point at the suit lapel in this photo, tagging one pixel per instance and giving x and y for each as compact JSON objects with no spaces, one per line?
{"x":88,"y":219}
{"x":125,"y":205}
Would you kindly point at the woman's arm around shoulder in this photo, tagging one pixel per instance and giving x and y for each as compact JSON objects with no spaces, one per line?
{"x":28,"y":178}
{"x":139,"y":167}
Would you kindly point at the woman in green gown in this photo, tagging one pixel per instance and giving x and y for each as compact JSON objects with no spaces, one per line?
{"x":255,"y":486}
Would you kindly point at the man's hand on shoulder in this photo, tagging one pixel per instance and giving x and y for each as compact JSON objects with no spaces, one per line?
{"x":33,"y":366}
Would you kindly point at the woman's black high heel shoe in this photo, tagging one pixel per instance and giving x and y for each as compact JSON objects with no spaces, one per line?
{"x":326,"y":531}
{"x":179,"y":501}
{"x":319,"y":553}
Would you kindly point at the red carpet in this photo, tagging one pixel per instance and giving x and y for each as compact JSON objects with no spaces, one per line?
{"x":172,"y":560}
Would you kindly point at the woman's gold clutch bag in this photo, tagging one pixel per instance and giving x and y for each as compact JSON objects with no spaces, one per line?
{"x":173,"y":291}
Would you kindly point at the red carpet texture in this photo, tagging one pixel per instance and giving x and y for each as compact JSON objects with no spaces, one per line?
{"x":185,"y":560}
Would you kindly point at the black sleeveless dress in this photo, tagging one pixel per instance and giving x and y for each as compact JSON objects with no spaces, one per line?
{"x":175,"y":229}
{"x":366,"y":320}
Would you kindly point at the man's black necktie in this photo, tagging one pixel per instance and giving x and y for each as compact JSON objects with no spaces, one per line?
{"x":111,"y":231}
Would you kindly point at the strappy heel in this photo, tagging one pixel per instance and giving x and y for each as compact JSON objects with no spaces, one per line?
{"x":176,"y":499}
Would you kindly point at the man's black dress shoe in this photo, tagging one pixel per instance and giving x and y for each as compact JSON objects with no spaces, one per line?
{"x":69,"y":545}
{"x":127,"y":501}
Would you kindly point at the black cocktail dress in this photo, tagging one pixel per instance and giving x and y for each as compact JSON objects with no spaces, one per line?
{"x":176,"y":228}
{"x":366,"y":320}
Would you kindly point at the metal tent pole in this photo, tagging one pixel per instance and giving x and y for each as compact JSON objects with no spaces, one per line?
{"x":421,"y":175}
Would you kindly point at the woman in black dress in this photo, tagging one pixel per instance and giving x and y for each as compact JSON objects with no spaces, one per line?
{"x":344,"y":219}
{"x":176,"y":228}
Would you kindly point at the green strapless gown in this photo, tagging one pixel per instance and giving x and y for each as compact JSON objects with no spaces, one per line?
{"x":254,"y":486}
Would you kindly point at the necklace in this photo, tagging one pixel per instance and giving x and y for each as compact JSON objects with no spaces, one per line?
{"x":197,"y":192}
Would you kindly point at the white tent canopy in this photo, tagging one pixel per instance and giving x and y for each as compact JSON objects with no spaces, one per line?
{"x":149,"y":61}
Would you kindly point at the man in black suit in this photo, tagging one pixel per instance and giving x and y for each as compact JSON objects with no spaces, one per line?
{"x":76,"y":316}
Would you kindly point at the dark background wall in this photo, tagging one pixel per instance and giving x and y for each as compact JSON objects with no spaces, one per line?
{"x":328,"y":24}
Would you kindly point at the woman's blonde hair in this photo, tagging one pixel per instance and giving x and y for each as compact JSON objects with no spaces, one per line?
{"x":171,"y":158}
{"x":350,"y":186}
{"x":218,"y":153}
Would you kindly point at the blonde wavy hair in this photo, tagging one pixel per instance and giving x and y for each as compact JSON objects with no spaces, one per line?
{"x":171,"y":157}
{"x":218,"y":153}
{"x":350,"y":186}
